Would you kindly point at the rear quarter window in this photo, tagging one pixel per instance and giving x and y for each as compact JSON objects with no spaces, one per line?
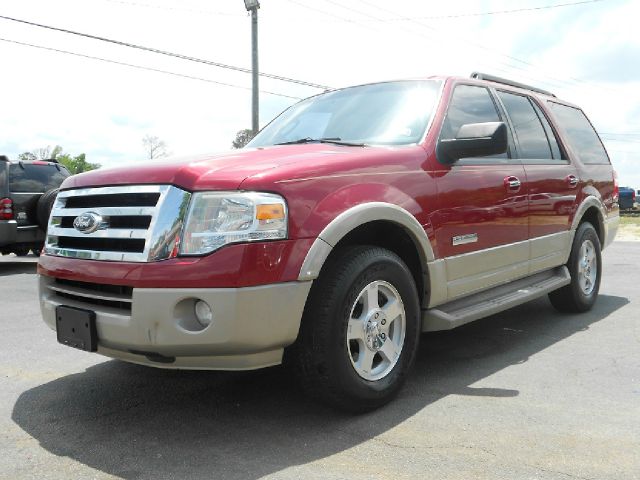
{"x":581,"y":135}
{"x":30,"y":178}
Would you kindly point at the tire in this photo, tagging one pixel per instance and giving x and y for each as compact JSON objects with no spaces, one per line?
{"x":581,"y":294}
{"x":43,"y":209}
{"x":21,"y":251}
{"x":336,"y":370}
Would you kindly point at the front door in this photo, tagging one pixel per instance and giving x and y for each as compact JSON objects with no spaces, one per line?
{"x":481,"y":218}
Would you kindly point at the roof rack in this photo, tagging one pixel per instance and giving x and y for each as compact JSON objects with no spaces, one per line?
{"x":492,"y":78}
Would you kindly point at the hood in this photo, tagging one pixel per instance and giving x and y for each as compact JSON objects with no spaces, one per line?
{"x":226,"y":171}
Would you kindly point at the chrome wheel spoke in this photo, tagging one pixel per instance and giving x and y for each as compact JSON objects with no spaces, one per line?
{"x":389,"y":351}
{"x":371,"y":297}
{"x":365,"y":360}
{"x":391,"y":311}
{"x":355,"y":329}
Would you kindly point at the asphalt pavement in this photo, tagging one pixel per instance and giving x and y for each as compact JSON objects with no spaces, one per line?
{"x":525,"y":394}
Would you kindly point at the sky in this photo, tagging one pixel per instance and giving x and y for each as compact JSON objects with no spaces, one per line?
{"x":587,"y":53}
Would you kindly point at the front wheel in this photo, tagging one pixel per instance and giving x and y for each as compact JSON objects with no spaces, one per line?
{"x":360,"y":330}
{"x":585,"y":267}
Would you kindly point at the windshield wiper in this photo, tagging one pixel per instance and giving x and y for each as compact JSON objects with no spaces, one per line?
{"x":333,"y":140}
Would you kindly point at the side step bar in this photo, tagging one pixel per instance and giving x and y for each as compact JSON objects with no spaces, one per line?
{"x":479,"y":305}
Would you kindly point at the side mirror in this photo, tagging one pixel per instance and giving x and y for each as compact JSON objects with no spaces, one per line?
{"x":474,"y":140}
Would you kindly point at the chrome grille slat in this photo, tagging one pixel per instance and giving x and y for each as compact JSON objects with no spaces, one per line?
{"x":110,"y":233}
{"x":111,"y":211}
{"x":140,"y":233}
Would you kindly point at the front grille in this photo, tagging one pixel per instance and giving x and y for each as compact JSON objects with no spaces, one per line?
{"x":114,"y":296}
{"x":139,"y":223}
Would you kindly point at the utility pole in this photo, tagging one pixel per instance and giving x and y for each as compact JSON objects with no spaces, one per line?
{"x":253,"y":6}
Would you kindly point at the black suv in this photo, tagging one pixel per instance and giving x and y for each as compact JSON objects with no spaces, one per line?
{"x":27,"y":192}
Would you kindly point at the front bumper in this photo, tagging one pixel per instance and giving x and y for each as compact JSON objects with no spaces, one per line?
{"x":250,"y":328}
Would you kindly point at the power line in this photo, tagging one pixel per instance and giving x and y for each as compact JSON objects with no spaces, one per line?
{"x":169,"y":54}
{"x":630,"y":134}
{"x":140,"y":67}
{"x":479,"y":14}
{"x":177,"y":9}
{"x":470,"y":42}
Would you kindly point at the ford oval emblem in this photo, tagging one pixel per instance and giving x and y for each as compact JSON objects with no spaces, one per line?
{"x":87,"y":222}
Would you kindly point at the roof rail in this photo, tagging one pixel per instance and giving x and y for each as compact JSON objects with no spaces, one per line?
{"x":492,"y":78}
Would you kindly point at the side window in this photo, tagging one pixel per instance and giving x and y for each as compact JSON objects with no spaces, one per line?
{"x":469,"y":104}
{"x":580,"y":134}
{"x":532,"y":138}
{"x":553,"y":141}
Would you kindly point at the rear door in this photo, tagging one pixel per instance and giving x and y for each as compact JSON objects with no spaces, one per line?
{"x":481,"y":218}
{"x":552,"y":180}
{"x":27,"y":182}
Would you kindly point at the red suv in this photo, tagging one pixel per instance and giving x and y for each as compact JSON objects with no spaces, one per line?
{"x":354,"y":221}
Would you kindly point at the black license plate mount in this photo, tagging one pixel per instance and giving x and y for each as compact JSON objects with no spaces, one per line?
{"x":76,"y":327}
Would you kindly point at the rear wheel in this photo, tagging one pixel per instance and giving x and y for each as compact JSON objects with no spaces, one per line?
{"x":360,"y":330}
{"x":585,"y":267}
{"x":21,"y":251}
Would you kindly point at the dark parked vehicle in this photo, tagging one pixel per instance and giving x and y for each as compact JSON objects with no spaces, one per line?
{"x":27,"y":192}
{"x":627,"y":198}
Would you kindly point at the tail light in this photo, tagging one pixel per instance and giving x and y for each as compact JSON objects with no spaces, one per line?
{"x":6,"y":209}
{"x":616,"y":187}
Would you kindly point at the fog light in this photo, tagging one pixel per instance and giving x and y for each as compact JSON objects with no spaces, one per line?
{"x":203,"y":313}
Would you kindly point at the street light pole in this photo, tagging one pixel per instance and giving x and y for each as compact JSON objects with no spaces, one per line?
{"x":253,"y":6}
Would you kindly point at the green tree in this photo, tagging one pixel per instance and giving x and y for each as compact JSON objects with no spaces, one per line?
{"x":77,"y":164}
{"x":46,"y":153}
{"x":242,"y":138}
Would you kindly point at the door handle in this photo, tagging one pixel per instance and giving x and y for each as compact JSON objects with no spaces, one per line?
{"x":513,"y":184}
{"x":572,"y":180}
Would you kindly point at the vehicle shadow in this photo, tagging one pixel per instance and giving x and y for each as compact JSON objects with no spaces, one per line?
{"x":13,"y":268}
{"x":139,"y":422}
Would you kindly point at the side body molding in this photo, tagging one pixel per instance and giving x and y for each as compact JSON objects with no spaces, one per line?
{"x":353,"y":218}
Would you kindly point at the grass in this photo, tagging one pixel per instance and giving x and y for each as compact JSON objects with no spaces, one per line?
{"x":629,"y":228}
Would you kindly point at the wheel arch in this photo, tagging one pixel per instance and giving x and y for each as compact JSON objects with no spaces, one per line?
{"x":591,"y":210}
{"x":380,"y":224}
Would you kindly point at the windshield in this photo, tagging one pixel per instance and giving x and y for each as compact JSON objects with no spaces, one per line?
{"x":393,"y":113}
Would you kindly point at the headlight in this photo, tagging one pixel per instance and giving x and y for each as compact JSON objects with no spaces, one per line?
{"x":216,"y":219}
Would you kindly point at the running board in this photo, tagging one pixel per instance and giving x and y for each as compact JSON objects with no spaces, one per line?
{"x":479,"y":305}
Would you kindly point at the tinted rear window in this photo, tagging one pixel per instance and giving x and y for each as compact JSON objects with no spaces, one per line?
{"x":582,"y":137}
{"x":35,"y":178}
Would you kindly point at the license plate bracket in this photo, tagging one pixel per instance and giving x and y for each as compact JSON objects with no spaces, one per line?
{"x":76,"y":327}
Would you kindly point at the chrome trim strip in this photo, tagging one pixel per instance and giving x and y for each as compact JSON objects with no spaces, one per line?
{"x":107,"y":233}
{"x":94,"y":255}
{"x":106,"y":211}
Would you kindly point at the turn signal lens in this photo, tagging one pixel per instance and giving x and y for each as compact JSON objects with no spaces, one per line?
{"x":273,"y":211}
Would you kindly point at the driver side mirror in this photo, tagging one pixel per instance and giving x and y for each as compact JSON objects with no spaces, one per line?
{"x":474,"y":140}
